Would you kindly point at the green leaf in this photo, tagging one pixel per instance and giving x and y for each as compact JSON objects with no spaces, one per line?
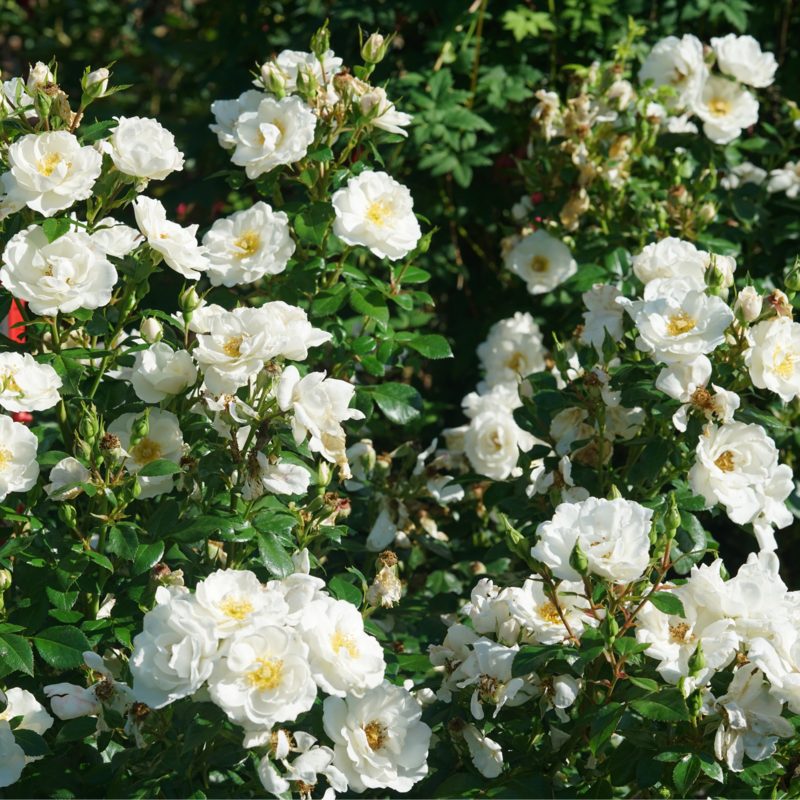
{"x":371,"y":304}
{"x":345,"y":591}
{"x":414,"y":662}
{"x":16,"y":653}
{"x":668,"y":603}
{"x":274,"y":555}
{"x":644,"y":683}
{"x":329,"y":301}
{"x":323,"y":154}
{"x":711,"y":767}
{"x":164,"y":519}
{"x":147,"y":556}
{"x":62,"y":647}
{"x":55,"y":228}
{"x":685,"y":773}
{"x":412,"y":275}
{"x":77,"y":729}
{"x":98,"y":131}
{"x":667,"y":706}
{"x":604,"y":723}
{"x":312,"y":224}
{"x":532,"y":657}
{"x":123,"y":542}
{"x":400,"y":403}
{"x":156,"y":469}
{"x":200,"y":731}
{"x":32,"y":743}
{"x":431,"y":346}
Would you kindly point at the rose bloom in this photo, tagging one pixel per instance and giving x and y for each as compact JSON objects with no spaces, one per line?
{"x":726,"y":109}
{"x":379,"y":740}
{"x":377,"y":212}
{"x":26,"y":385}
{"x":248,"y":245}
{"x":294,"y":61}
{"x":542,"y":261}
{"x":276,"y":478}
{"x":492,"y":443}
{"x":64,"y":275}
{"x":743,"y":173}
{"x":678,"y":63}
{"x":773,"y":355}
{"x":161,"y":371}
{"x":68,"y":470}
{"x":669,"y":258}
{"x":163,"y":441}
{"x":227,"y":113}
{"x":614,"y":535}
{"x":539,"y":618}
{"x":278,"y":132}
{"x":785,"y":180}
{"x":18,"y":467}
{"x":387,"y":117}
{"x":143,"y":148}
{"x":603,"y":315}
{"x":12,"y":756}
{"x":50,"y":171}
{"x":513,"y":350}
{"x":115,"y":238}
{"x":741,"y":57}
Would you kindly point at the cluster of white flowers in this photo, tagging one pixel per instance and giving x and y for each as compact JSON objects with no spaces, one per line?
{"x":540,"y":259}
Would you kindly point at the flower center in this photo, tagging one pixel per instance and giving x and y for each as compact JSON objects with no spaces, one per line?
{"x":378,"y":212}
{"x":376,"y":734}
{"x":516,"y":361}
{"x":233,"y":344}
{"x":702,"y":399}
{"x":547,"y":611}
{"x":679,"y":631}
{"x":725,"y":462}
{"x":540,"y":264}
{"x":680,"y":323}
{"x":267,"y":676}
{"x":248,"y":242}
{"x":340,"y":640}
{"x":280,"y":127}
{"x":786,"y":367}
{"x":236,"y":607}
{"x":718,"y":107}
{"x":5,"y":458}
{"x":48,"y":163}
{"x":8,"y":382}
{"x":146,"y":451}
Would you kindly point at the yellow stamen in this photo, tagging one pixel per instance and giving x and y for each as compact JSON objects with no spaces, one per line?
{"x":378,"y":212}
{"x":236,"y":607}
{"x":516,"y":361}
{"x":248,"y":242}
{"x":725,"y":462}
{"x":341,"y":640}
{"x":49,"y":163}
{"x":718,"y":107}
{"x":540,"y":264}
{"x":232,"y":346}
{"x":146,"y":451}
{"x":549,"y":613}
{"x":267,"y":676}
{"x":681,"y":323}
{"x":376,"y":734}
{"x":679,"y":631}
{"x":786,"y":367}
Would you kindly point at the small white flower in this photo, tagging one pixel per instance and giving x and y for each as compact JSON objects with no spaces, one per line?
{"x":750,"y":302}
{"x":726,"y":109}
{"x":115,"y":238}
{"x":680,"y":124}
{"x":386,"y":116}
{"x":538,"y":616}
{"x":493,"y":441}
{"x":248,"y":245}
{"x":26,"y":385}
{"x":490,"y":613}
{"x":743,"y":173}
{"x":50,"y":171}
{"x":64,"y":275}
{"x":177,"y":244}
{"x":175,"y":653}
{"x":12,"y":756}
{"x":379,"y":740}
{"x":775,"y":512}
{"x":603,"y":314}
{"x":18,"y":467}
{"x":547,"y":112}
{"x":227,"y":113}
{"x":486,"y":754}
{"x":68,"y":470}
{"x":543,"y":481}
{"x":542,"y":261}
{"x":774,"y":351}
{"x":164,"y":441}
{"x":513,"y":350}
{"x":678,"y":63}
{"x":277,"y":478}
{"x":304,"y":770}
{"x":21,"y":703}
{"x":162,"y":371}
{"x":277,"y":132}
{"x":669,"y":258}
{"x":345,"y":660}
{"x":385,"y":590}
{"x":143,"y":148}
{"x":613,"y":534}
{"x":38,"y":77}
{"x":741,"y":57}
{"x":377,"y":212}
{"x":786,"y":179}
{"x":450,"y":655}
{"x":294,"y":61}
{"x":718,"y":407}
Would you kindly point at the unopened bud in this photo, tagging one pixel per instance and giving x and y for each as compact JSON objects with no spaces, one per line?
{"x":39,"y":76}
{"x":707,"y":212}
{"x":715,"y":277}
{"x":748,"y":305}
{"x":697,"y":661}
{"x":694,"y":702}
{"x":94,"y":84}
{"x":189,"y":301}
{"x":5,"y":580}
{"x":131,"y":492}
{"x":306,"y":82}
{"x":68,"y":515}
{"x":792,"y":280}
{"x":672,"y":521}
{"x":578,"y":560}
{"x":42,"y":103}
{"x":609,"y":628}
{"x":614,"y":493}
{"x":374,"y":49}
{"x":274,"y":79}
{"x":140,"y":428}
{"x":321,"y":42}
{"x":152,"y":331}
{"x":89,"y":426}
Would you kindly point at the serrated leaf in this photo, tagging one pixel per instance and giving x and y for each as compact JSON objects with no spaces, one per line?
{"x":711,"y":767}
{"x":313,"y":222}
{"x":644,"y":683}
{"x":123,"y":542}
{"x":16,"y":653}
{"x":685,"y":773}
{"x":77,"y":729}
{"x":531,"y":657}
{"x":274,"y":555}
{"x":371,"y":304}
{"x":147,"y":556}
{"x":32,"y":743}
{"x":667,"y":706}
{"x":604,"y":723}
{"x":62,"y":647}
{"x":668,"y":603}
{"x":159,"y":468}
{"x":431,"y":346}
{"x":345,"y":591}
{"x":55,"y":228}
{"x":330,"y":300}
{"x":400,"y":403}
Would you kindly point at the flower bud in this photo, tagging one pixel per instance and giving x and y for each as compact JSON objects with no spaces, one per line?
{"x":609,"y":628}
{"x":614,"y":493}
{"x":578,"y":560}
{"x":374,"y":49}
{"x":68,"y":515}
{"x":95,"y":83}
{"x":131,"y":492}
{"x":792,"y":280}
{"x":274,"y":79}
{"x":672,"y":520}
{"x":5,"y":580}
{"x":189,"y":301}
{"x":697,"y":661}
{"x":42,"y":103}
{"x":694,"y":702}
{"x":321,"y":42}
{"x":707,"y":212}
{"x":39,"y":76}
{"x":89,"y":426}
{"x":748,"y":305}
{"x":140,"y":428}
{"x":715,"y":277}
{"x":152,"y":331}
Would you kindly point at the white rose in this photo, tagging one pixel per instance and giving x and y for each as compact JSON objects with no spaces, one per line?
{"x":614,"y":535}
{"x":734,"y":462}
{"x":300,"y":333}
{"x":750,"y":303}
{"x":278,"y":132}
{"x":683,"y":378}
{"x":719,"y":406}
{"x":493,"y":441}
{"x":305,"y":769}
{"x":100,"y":76}
{"x":26,"y":385}
{"x":669,"y":258}
{"x":387,"y":117}
{"x":677,"y":320}
{"x":513,"y":350}
{"x":263,"y":677}
{"x":503,"y":396}
{"x":743,"y":173}
{"x":162,"y":371}
{"x":377,"y":212}
{"x":143,"y":148}
{"x":177,"y":244}
{"x":38,"y":77}
{"x":68,"y":470}
{"x":726,"y":109}
{"x":543,"y":481}
{"x":345,"y":660}
{"x":678,"y":63}
{"x":775,"y":512}
{"x":292,"y":61}
{"x":542,"y":261}
{"x":227,"y":113}
{"x":50,"y":171}
{"x":115,"y":238}
{"x":276,"y":478}
{"x":486,"y":754}
{"x":174,"y":655}
{"x":64,"y":275}
{"x":18,"y":467}
{"x":774,"y":351}
{"x":21,"y":703}
{"x":164,"y":441}
{"x":379,"y":740}
{"x":538,"y":616}
{"x":248,"y":245}
{"x":152,"y":330}
{"x":386,"y":590}
{"x":680,"y":124}
{"x":741,"y":57}
{"x":786,"y":179}
{"x":12,"y":756}
{"x":603,"y":314}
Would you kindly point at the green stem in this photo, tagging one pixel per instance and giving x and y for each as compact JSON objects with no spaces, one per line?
{"x":477,"y":62}
{"x":64,"y":425}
